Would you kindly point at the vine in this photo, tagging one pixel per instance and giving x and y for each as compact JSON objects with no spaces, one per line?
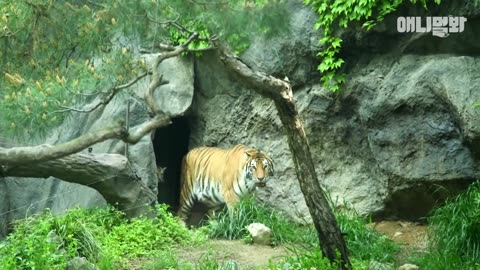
{"x":334,"y":14}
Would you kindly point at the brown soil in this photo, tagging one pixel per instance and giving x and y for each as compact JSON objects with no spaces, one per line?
{"x":246,"y":256}
{"x":405,"y":233}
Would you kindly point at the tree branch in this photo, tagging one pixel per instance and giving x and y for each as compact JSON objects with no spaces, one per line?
{"x":104,"y":101}
{"x":329,"y":235}
{"x":33,"y":154}
{"x":109,"y":174}
{"x":157,"y":122}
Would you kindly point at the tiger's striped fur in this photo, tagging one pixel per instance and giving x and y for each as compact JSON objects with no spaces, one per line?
{"x":215,"y":176}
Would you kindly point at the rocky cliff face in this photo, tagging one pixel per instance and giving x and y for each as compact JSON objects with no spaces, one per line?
{"x":401,"y":135}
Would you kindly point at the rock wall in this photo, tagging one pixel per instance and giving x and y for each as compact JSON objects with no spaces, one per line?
{"x":401,"y":136}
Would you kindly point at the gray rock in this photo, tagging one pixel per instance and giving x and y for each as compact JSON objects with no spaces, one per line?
{"x":260,"y":233}
{"x":408,"y":266}
{"x":81,"y":263}
{"x":374,"y":265}
{"x":400,"y":136}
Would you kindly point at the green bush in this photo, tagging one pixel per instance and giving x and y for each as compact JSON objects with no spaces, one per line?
{"x":103,"y":236}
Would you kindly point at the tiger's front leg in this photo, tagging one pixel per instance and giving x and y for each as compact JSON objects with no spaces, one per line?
{"x":231,"y":200}
{"x":211,"y":212}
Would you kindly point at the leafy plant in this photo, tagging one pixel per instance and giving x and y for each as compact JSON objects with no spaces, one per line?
{"x":334,"y":15}
{"x":103,"y":236}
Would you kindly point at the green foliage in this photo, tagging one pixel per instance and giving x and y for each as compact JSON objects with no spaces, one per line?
{"x":455,"y":233}
{"x":59,"y":53}
{"x":141,"y":236}
{"x":103,"y":236}
{"x":335,"y":15}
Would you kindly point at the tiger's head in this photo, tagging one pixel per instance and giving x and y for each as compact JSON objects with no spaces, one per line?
{"x":259,"y":167}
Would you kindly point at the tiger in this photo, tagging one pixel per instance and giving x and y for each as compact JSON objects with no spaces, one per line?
{"x":215,"y":176}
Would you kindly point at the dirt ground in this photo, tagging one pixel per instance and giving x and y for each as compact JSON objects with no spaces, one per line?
{"x":409,"y":235}
{"x":246,"y":256}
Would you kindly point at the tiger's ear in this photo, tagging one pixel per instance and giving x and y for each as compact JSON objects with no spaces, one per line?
{"x":271,"y":170}
{"x":250,"y":152}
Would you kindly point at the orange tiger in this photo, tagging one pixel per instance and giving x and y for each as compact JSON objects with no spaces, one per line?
{"x":215,"y":176}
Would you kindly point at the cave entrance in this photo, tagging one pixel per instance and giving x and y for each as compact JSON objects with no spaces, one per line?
{"x":170,"y":144}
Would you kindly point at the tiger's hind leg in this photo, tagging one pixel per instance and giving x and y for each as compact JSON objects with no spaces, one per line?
{"x":186,"y":204}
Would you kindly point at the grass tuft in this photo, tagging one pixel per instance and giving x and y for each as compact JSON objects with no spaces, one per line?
{"x":248,"y":211}
{"x":454,"y":233}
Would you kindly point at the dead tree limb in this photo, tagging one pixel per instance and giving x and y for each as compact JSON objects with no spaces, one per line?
{"x":109,"y":174}
{"x":280,"y":91}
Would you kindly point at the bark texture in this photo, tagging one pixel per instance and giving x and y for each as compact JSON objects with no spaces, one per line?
{"x":280,"y":91}
{"x":110,"y":174}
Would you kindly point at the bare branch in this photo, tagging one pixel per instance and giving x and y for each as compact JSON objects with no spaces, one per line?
{"x":32,"y":154}
{"x":104,"y":101}
{"x":264,"y":84}
{"x":280,"y":91}
{"x":109,"y":174}
{"x":147,"y":127}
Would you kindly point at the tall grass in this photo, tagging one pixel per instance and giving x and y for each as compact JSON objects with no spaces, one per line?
{"x":363,"y":242}
{"x":455,"y":233}
{"x":248,"y":211}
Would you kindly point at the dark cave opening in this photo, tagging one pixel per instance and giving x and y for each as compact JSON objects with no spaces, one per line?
{"x":170,"y":144}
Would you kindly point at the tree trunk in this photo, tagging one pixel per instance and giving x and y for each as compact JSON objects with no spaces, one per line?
{"x":329,"y":235}
{"x":109,"y":174}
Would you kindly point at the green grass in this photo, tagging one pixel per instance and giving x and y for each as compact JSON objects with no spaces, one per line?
{"x":454,"y":233}
{"x":248,"y":211}
{"x":363,"y":242}
{"x":103,"y":236}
